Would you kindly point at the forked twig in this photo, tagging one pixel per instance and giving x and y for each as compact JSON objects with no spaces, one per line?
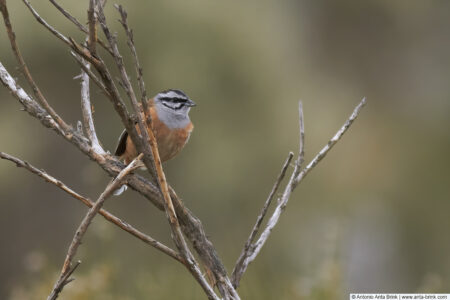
{"x":297,"y":176}
{"x":322,"y":153}
{"x":65,"y":279}
{"x":248,"y":244}
{"x":76,"y":241}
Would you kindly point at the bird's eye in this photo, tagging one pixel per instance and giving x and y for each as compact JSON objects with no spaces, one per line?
{"x":172,"y":105}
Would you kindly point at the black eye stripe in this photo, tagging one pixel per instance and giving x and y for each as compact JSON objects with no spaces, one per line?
{"x":174,"y":100}
{"x":172,"y":107}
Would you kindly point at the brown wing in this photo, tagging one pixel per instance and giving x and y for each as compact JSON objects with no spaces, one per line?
{"x":122,"y":144}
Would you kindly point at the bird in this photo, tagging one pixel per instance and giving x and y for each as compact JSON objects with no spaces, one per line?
{"x":172,"y":127}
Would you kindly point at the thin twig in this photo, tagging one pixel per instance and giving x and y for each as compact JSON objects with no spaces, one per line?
{"x":107,"y":215}
{"x":69,"y":16}
{"x":45,"y":24}
{"x":236,"y":276}
{"x":322,"y":153}
{"x":92,"y":20}
{"x":78,"y":24}
{"x":301,"y":147}
{"x":296,"y":177}
{"x":76,"y":241}
{"x":131,"y":45}
{"x":26,"y":72}
{"x":65,"y":279}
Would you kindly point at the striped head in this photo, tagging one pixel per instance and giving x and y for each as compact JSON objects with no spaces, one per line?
{"x":172,"y":107}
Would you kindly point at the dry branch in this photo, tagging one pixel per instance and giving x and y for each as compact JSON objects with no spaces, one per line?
{"x":86,"y":110}
{"x":322,"y":153}
{"x":76,"y":241}
{"x":92,"y":20}
{"x":238,"y":270}
{"x":107,"y":215}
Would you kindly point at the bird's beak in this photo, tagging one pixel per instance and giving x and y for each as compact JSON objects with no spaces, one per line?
{"x":190,"y":103}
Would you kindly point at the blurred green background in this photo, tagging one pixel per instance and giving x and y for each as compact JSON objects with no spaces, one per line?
{"x":372,"y":217}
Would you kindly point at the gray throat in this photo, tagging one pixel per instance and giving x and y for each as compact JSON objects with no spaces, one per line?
{"x":173,"y":119}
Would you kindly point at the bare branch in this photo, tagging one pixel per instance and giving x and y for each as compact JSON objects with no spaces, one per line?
{"x":238,"y":268}
{"x":107,"y":215}
{"x":65,"y":280}
{"x":191,"y":225}
{"x":76,"y":241}
{"x":26,"y":72}
{"x":86,"y":106}
{"x":69,"y":16}
{"x":294,"y":180}
{"x":86,"y":111}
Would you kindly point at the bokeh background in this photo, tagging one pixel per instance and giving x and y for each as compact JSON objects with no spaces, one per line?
{"x":372,"y":217}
